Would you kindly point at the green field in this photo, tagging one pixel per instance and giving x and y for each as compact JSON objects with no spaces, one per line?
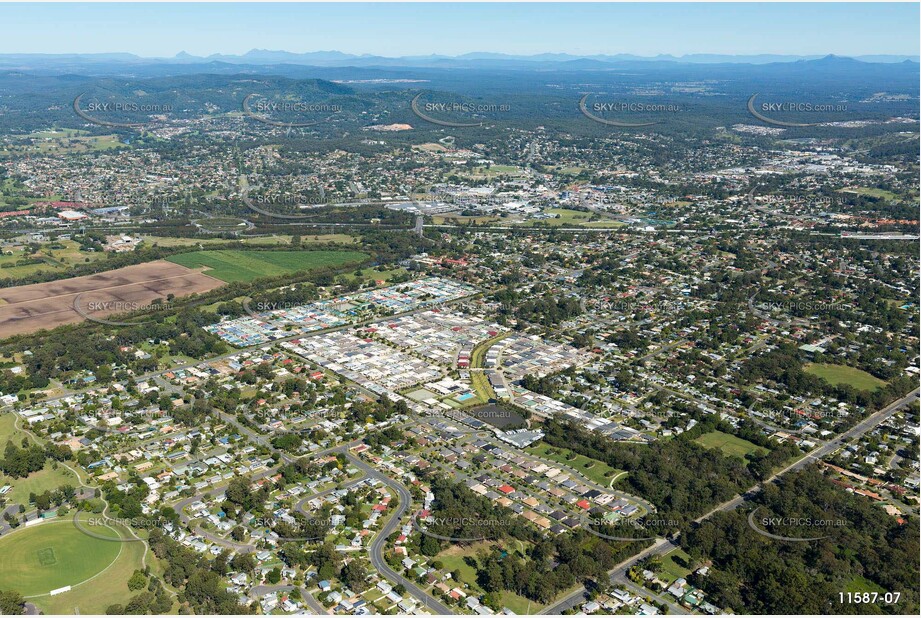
{"x":246,"y":265}
{"x":670,"y":569}
{"x":568,"y":217}
{"x":274,"y":239}
{"x":729,"y":444}
{"x":842,"y":374}
{"x":377,"y":274}
{"x":889,"y":196}
{"x":53,"y":256}
{"x":50,"y":555}
{"x":592,"y":469}
{"x":38,"y":482}
{"x":8,"y":429}
{"x":463,"y":220}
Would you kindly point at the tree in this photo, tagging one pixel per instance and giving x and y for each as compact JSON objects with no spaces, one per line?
{"x":273,"y":576}
{"x":137,"y":581}
{"x":11,"y":603}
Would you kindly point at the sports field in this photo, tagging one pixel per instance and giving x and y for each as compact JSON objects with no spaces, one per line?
{"x":53,"y":554}
{"x":842,"y":374}
{"x":729,"y":444}
{"x":246,"y":265}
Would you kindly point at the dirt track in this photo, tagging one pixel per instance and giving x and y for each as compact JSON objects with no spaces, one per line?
{"x":28,"y":308}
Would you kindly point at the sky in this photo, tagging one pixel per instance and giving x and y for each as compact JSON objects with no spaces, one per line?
{"x":164,"y":29}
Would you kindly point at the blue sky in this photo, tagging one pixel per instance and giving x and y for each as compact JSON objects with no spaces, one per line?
{"x":418,"y":29}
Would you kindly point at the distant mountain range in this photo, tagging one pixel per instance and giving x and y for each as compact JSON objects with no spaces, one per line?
{"x":486,"y":60}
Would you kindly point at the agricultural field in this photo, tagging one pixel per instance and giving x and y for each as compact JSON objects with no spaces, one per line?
{"x":28,"y":308}
{"x":729,"y":444}
{"x":592,"y":469}
{"x":246,"y":265}
{"x":843,"y":374}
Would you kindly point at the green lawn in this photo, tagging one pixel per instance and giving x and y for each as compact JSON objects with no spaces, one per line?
{"x":38,"y":482}
{"x":569,"y":217}
{"x":94,"y":596}
{"x":377,"y":274}
{"x":842,"y":374}
{"x":519,"y":604}
{"x":246,"y":265}
{"x":670,"y":569}
{"x":53,"y":554}
{"x":729,"y":444}
{"x":8,"y":430}
{"x":53,"y":256}
{"x":889,"y":196}
{"x":592,"y":469}
{"x":862,"y":584}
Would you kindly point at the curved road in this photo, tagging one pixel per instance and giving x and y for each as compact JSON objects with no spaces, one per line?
{"x":376,"y":550}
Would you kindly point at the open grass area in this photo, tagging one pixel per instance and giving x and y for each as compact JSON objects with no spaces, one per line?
{"x":569,"y":217}
{"x":52,"y":256}
{"x":463,"y":220}
{"x":862,"y":584}
{"x":246,"y":265}
{"x":519,"y":604}
{"x":592,"y":469}
{"x":8,"y":430}
{"x":729,"y":444}
{"x":478,"y":379}
{"x":111,"y":587}
{"x":889,"y":196}
{"x":38,"y":482}
{"x":842,"y":374}
{"x":453,"y":560}
{"x":53,"y":554}
{"x":377,"y":274}
{"x":670,"y":569}
{"x":274,"y":239}
{"x":59,"y":142}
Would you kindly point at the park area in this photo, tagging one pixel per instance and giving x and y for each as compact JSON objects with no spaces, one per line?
{"x":54,"y":554}
{"x":729,"y":444}
{"x":842,"y":374}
